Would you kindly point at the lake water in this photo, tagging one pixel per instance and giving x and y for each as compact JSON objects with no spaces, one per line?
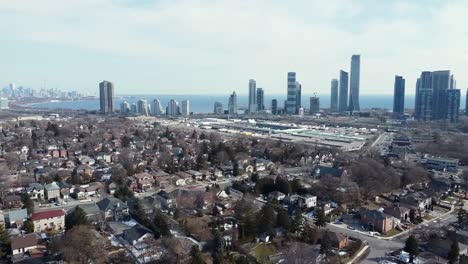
{"x":205,"y":103}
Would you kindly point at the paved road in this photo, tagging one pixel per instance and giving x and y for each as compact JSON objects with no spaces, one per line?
{"x":379,"y":247}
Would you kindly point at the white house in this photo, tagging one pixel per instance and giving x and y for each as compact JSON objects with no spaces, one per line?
{"x":24,"y":244}
{"x":49,"y":220}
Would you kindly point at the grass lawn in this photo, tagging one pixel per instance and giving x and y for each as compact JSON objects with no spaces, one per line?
{"x":262,"y":251}
{"x":392,"y":232}
{"x":440,"y":209}
{"x":428,"y":217}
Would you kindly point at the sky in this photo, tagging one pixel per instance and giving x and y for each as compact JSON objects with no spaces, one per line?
{"x":216,"y":46}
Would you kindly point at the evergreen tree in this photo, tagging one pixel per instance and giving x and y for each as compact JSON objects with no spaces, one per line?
{"x":28,"y":204}
{"x":139,"y":213}
{"x":412,"y":247}
{"x":267,"y":220}
{"x":196,"y":255}
{"x":160,"y":224}
{"x":321,"y":219}
{"x":77,"y":217}
{"x":283,"y":220}
{"x":235,"y":169}
{"x":283,"y":185}
{"x":298,"y":222}
{"x":461,"y":215}
{"x":325,"y":245}
{"x":4,"y":242}
{"x":29,"y":227}
{"x":454,"y":252}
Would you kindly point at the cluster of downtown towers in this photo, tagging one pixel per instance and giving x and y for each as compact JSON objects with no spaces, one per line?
{"x":436,"y":97}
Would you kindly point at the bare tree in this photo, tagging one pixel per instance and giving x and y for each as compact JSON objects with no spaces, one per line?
{"x":82,"y":245}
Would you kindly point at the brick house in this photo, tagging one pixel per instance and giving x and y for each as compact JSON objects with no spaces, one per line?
{"x":337,"y":240}
{"x":375,"y":220}
{"x":144,"y":180}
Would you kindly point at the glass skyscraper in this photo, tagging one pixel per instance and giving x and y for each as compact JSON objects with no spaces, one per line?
{"x":354,"y":83}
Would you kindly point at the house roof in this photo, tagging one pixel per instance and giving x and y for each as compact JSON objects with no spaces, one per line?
{"x":16,"y":215}
{"x":320,"y":171}
{"x":52,"y":187}
{"x":24,"y":241}
{"x":372,"y":214}
{"x":47,"y":214}
{"x":35,"y":186}
{"x":143,"y":175}
{"x":335,"y":237}
{"x":111,"y":203}
{"x":136,"y":232}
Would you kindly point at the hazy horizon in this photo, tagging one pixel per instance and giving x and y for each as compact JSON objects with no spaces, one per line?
{"x":190,"y":46}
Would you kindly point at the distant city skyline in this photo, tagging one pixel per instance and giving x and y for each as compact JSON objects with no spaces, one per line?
{"x":150,"y":45}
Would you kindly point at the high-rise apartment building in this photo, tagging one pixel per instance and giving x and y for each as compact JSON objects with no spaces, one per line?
{"x":343,"y":96}
{"x":142,"y":107}
{"x":106,"y":97}
{"x":232,"y":105}
{"x":124,"y":108}
{"x":423,"y":99}
{"x":436,"y":98}
{"x":218,"y":108}
{"x":354,"y":83}
{"x":252,"y":96}
{"x":3,"y":103}
{"x":260,"y":99}
{"x":291,"y":101}
{"x":314,"y":105}
{"x":274,"y":106}
{"x":440,"y":85}
{"x":133,"y":109}
{"x":399,"y":96}
{"x":453,"y":105}
{"x":172,"y":108}
{"x":334,"y":96}
{"x":156,"y":106}
{"x":185,"y":108}
{"x":298,"y":96}
{"x":466,"y":103}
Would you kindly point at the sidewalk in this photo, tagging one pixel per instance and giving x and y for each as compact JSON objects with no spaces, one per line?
{"x":358,"y":255}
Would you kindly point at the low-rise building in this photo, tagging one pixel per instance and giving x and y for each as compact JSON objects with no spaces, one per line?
{"x":53,"y":220}
{"x":442,"y":164}
{"x":26,"y":244}
{"x":35,"y":191}
{"x":52,"y":191}
{"x":144,"y":180}
{"x":137,"y":234}
{"x":16,"y":218}
{"x":417,"y":200}
{"x":114,"y":209}
{"x":375,"y":220}
{"x":399,"y":212}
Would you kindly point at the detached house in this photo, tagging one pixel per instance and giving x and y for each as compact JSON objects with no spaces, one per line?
{"x":16,"y":218}
{"x":137,"y":234}
{"x":52,"y":191}
{"x":35,"y":191}
{"x":417,"y":200}
{"x":12,"y":201}
{"x":399,"y":212}
{"x":26,"y":244}
{"x":49,"y":220}
{"x":144,"y":180}
{"x":113,"y":209}
{"x":376,"y":221}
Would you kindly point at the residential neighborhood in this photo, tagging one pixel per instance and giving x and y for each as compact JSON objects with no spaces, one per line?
{"x":167,"y":191}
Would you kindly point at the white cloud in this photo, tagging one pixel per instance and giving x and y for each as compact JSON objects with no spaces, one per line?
{"x":226,"y":42}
